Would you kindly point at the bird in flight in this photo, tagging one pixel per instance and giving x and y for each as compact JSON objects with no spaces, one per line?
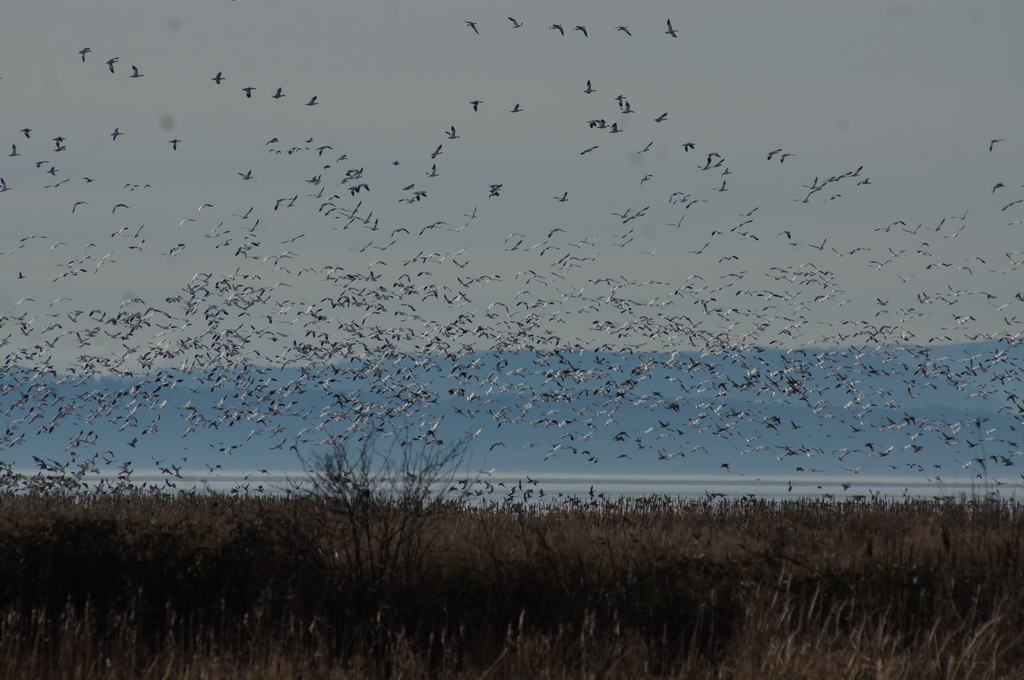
{"x":557,"y":27}
{"x":278,"y":94}
{"x":248,"y":91}
{"x":515,"y":24}
{"x":84,"y":52}
{"x":111,"y":62}
{"x":624,"y":29}
{"x":472,"y":24}
{"x":135,"y":72}
{"x":116,"y":133}
{"x":516,"y":109}
{"x":583,"y":29}
{"x":218,"y":78}
{"x":174,"y":143}
{"x":476,"y":103}
{"x":671,"y":31}
{"x":589,"y":89}
{"x":311,"y":102}
{"x":990,"y":144}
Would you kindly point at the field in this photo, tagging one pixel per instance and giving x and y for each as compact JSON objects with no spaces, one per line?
{"x":322,"y":586}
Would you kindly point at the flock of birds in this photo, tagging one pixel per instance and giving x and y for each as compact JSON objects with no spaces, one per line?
{"x":456,"y":325}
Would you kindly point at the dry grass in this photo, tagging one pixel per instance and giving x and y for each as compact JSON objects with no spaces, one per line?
{"x":224,"y":587}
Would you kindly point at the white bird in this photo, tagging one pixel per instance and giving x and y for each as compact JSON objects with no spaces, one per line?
{"x":671,"y":31}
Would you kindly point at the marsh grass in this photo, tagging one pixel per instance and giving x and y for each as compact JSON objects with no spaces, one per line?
{"x":205,"y":586}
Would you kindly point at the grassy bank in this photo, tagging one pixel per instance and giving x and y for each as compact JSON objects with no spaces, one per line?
{"x":227,"y":587}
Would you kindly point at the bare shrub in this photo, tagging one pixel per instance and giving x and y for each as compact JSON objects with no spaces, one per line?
{"x":384,"y":495}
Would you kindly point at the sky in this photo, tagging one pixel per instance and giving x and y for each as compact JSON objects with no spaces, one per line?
{"x":887,"y":215}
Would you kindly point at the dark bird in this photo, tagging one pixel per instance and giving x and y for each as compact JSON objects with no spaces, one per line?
{"x":84,"y":52}
{"x":557,"y":27}
{"x":311,"y":102}
{"x":174,"y":143}
{"x":583,"y":29}
{"x":111,"y":62}
{"x":990,"y":144}
{"x":278,"y":94}
{"x":218,"y":78}
{"x":248,"y":91}
{"x":624,"y":29}
{"x":476,"y":103}
{"x":472,"y":24}
{"x":116,"y":133}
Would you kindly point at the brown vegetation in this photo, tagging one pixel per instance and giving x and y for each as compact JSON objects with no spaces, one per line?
{"x":203,"y":586}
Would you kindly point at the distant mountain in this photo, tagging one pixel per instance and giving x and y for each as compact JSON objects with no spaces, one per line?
{"x":934,"y":411}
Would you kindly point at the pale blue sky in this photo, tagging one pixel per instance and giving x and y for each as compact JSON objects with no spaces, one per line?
{"x":912,"y":92}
